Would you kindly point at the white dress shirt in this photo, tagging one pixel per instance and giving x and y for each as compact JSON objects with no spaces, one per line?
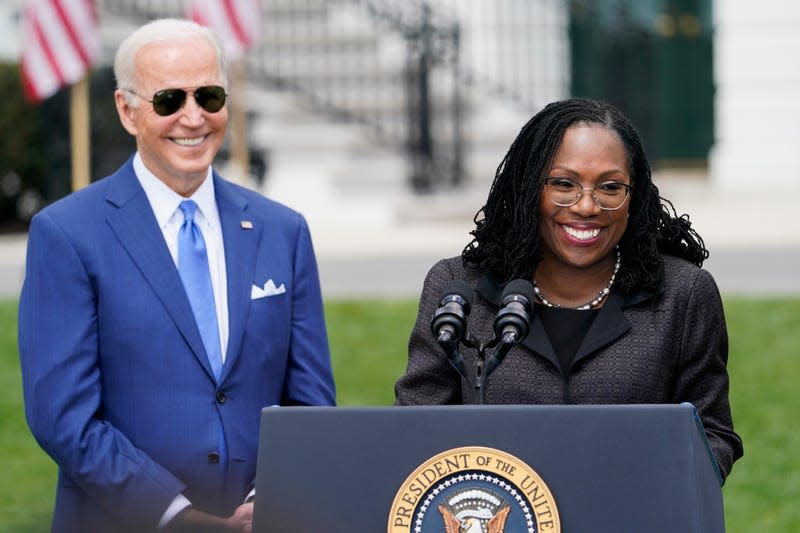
{"x":165,"y":204}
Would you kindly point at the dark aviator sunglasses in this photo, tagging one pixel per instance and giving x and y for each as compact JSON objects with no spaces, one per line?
{"x":168,"y":101}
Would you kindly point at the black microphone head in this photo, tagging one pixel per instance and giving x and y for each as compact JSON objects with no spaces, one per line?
{"x":516,"y":288}
{"x":451,"y":316}
{"x":460,"y":288}
{"x":513,"y":320}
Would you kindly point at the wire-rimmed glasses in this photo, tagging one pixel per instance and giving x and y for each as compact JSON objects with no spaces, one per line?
{"x":609,"y":195}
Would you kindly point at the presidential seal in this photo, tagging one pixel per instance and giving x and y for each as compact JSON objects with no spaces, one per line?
{"x":474,"y":490}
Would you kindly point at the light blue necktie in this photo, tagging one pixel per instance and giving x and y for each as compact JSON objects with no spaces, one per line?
{"x":193,"y":268}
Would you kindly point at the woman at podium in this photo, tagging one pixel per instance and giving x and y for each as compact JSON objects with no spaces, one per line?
{"x":619,"y":310}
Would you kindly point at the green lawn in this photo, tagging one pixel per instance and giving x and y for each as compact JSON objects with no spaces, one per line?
{"x":763,"y":491}
{"x":368,"y":344}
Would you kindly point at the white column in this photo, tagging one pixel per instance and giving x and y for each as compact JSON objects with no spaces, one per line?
{"x":757,"y":104}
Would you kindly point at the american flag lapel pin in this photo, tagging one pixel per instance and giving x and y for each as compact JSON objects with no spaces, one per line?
{"x":246,"y":224}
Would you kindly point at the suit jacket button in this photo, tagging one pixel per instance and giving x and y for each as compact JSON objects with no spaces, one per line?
{"x":213,"y":457}
{"x":221,"y":398}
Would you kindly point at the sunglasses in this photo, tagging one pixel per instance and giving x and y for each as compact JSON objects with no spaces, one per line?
{"x":168,"y":101}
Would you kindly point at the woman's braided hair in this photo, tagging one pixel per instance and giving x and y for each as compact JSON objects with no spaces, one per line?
{"x":506,"y":239}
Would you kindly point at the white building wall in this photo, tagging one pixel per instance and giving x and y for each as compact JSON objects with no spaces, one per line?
{"x":757,"y":104}
{"x":9,"y":29}
{"x":519,"y":45}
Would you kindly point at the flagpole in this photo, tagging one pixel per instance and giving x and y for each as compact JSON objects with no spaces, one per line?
{"x":240,"y":153}
{"x":80,"y":133}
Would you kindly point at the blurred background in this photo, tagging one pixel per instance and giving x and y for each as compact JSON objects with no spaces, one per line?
{"x":383,"y":121}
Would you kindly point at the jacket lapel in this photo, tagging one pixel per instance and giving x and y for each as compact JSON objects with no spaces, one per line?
{"x":609,"y":325}
{"x":135,"y":226}
{"x":538,"y":341}
{"x":241,"y":236}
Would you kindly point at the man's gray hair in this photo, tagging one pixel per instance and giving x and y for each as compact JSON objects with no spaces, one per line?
{"x":166,"y":31}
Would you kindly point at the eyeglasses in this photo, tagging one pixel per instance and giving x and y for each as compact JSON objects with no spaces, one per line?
{"x":168,"y":101}
{"x":609,"y":195}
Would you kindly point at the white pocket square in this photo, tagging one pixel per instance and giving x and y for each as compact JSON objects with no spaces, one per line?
{"x":269,"y":289}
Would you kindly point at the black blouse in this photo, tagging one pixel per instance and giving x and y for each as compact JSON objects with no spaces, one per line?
{"x":566,"y":329}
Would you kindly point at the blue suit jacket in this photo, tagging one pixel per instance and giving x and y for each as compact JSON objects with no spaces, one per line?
{"x":118,"y":388}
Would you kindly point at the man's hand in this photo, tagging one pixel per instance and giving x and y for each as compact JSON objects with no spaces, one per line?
{"x":242,"y":518}
{"x":191,"y":520}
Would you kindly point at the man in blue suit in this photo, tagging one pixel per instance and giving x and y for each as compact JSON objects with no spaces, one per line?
{"x":162,"y":308}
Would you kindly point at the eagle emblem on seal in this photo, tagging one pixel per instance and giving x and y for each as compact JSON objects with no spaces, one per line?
{"x":474,"y":510}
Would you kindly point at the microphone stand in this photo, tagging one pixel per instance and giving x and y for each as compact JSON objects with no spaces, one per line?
{"x":484,"y":371}
{"x":484,"y":367}
{"x":510,"y":327}
{"x":456,"y":360}
{"x":454,"y":356}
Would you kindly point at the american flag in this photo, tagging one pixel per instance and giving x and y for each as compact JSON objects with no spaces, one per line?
{"x":60,"y":42}
{"x":236,"y":22}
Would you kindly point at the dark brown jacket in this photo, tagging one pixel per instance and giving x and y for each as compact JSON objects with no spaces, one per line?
{"x":669,"y":347}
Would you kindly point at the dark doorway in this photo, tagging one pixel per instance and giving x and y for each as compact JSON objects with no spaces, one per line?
{"x":653,"y":60}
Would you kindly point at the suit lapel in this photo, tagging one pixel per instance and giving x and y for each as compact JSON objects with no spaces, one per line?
{"x":539,"y":341}
{"x":135,"y":226}
{"x":608,"y":326}
{"x":241,"y":235}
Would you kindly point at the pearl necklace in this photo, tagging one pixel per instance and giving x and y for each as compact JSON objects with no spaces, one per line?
{"x":591,"y":304}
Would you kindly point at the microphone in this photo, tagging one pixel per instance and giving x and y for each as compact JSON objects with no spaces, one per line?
{"x":512,"y":323}
{"x":449,"y":321}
